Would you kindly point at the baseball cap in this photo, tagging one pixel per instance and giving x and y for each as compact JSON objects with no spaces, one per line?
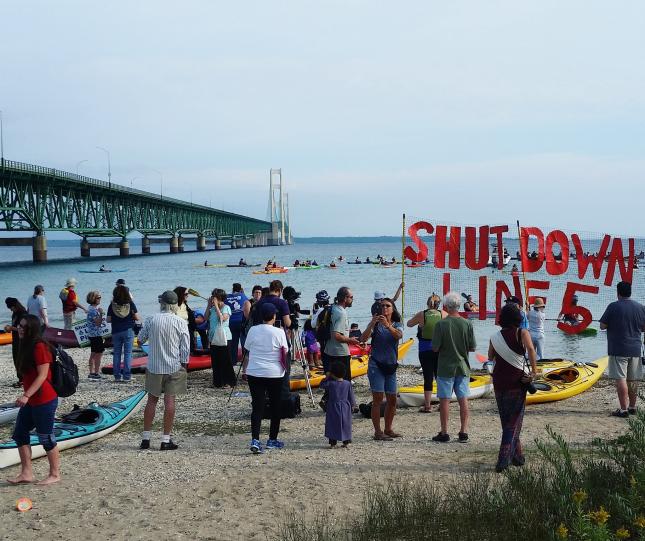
{"x":513,"y":299}
{"x":120,"y":282}
{"x":267,"y":310}
{"x":168,"y":297}
{"x":379,"y":295}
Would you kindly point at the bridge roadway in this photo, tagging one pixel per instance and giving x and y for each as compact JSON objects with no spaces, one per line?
{"x":40,"y":199}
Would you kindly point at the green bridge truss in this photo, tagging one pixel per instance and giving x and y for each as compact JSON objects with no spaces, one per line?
{"x":34,"y":198}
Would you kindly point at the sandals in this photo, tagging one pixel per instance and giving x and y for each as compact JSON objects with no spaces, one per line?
{"x":423,"y":409}
{"x":382,"y":437}
{"x":393,"y":434}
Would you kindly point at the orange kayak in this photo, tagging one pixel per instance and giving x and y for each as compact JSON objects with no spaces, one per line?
{"x":5,"y":338}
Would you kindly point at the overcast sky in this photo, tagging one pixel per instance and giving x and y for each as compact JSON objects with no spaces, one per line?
{"x":474,"y":112}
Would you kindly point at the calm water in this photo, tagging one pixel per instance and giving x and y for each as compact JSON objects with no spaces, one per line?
{"x":149,"y":276}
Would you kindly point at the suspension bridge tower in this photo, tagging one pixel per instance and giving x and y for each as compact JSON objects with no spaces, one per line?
{"x":278,"y":210}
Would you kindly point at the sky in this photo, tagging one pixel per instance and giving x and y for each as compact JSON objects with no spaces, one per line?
{"x":460,"y":111}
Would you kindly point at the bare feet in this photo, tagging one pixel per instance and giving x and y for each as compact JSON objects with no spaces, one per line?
{"x":49,"y":480}
{"x":21,"y":479}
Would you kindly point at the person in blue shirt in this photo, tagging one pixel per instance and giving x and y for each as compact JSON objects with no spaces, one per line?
{"x":239,"y":304}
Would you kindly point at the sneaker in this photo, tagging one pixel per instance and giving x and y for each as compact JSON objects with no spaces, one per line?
{"x":631,"y":411}
{"x":620,"y":413}
{"x":145,"y":444}
{"x":256,"y":447}
{"x":93,"y":376}
{"x":275,"y":444}
{"x":168,"y":446}
{"x":463,"y":437}
{"x":117,"y":380}
{"x":128,"y":380}
{"x":442,"y":438}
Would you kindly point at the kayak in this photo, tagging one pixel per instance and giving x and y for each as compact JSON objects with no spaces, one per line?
{"x":78,"y":427}
{"x":490,"y":314}
{"x":201,"y":361}
{"x":307,"y":267}
{"x":562,"y":383}
{"x":403,"y":349}
{"x":480,"y":387}
{"x":6,"y":338}
{"x":358,"y":366}
{"x":211,"y":266}
{"x":589,"y":331}
{"x":102,"y":271}
{"x":244,"y":266}
{"x":331,"y":266}
{"x":279,"y":270}
{"x":8,"y":412}
{"x":62,"y":337}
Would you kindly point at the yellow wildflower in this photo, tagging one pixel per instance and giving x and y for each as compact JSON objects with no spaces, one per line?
{"x":579,"y":496}
{"x":622,"y":533}
{"x":562,"y":532}
{"x":640,"y":521}
{"x":599,"y":517}
{"x":632,"y":481}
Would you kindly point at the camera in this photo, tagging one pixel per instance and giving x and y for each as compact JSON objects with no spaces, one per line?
{"x":531,"y":388}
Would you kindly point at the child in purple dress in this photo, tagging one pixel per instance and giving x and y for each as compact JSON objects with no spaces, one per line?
{"x":340,"y":402}
{"x":312,"y":346}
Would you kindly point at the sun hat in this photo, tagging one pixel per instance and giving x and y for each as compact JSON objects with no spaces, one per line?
{"x":168,"y":297}
{"x":539,"y":303}
{"x":120,"y":282}
{"x":379,"y":295}
{"x":70,"y":282}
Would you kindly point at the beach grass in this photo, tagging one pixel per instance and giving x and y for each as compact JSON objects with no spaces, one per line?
{"x":592,"y":493}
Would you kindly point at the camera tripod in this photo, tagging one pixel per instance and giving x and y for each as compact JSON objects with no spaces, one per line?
{"x":298,"y":350}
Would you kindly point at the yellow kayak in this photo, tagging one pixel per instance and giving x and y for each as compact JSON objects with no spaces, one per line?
{"x":480,"y":386}
{"x":358,"y":366}
{"x":5,"y":338}
{"x":568,"y":381}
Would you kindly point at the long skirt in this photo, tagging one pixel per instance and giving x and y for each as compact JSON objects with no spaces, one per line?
{"x":511,"y":404}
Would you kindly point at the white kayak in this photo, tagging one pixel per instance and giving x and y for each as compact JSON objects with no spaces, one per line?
{"x":480,"y":387}
{"x":8,"y":412}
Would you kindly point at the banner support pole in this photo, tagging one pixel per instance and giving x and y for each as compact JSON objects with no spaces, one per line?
{"x":526,"y":289}
{"x":403,"y":269}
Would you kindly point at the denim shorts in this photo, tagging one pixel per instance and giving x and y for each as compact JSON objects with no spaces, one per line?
{"x":459,"y":384}
{"x":379,"y":382}
{"x":39,"y":417}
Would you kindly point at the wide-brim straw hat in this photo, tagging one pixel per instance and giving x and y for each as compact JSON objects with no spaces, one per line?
{"x":538,"y":303}
{"x":70,"y":282}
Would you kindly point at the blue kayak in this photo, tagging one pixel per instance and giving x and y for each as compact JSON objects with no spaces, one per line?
{"x":107,"y":271}
{"x":78,"y":427}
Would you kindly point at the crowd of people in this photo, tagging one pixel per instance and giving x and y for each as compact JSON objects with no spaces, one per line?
{"x":266,"y":326}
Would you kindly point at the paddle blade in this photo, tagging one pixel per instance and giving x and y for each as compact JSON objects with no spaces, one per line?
{"x":193,"y":292}
{"x":481,"y":358}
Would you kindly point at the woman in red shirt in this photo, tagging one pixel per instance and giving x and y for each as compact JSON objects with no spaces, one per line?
{"x":37,"y":404}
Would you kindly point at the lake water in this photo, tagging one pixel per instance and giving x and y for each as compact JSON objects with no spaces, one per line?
{"x":148,"y":276}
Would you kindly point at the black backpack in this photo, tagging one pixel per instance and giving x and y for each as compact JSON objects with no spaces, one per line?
{"x":323,"y":327}
{"x":64,"y":373}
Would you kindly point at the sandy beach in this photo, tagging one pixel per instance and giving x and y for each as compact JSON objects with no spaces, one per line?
{"x":213,"y":488}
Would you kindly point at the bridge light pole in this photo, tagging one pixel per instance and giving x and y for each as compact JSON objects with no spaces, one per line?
{"x":161,"y":182}
{"x":79,"y":164}
{"x":1,"y":140}
{"x":132,"y":180}
{"x":109,"y":168}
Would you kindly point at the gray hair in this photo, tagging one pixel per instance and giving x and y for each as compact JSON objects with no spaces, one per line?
{"x":451,"y":301}
{"x":172,"y":308}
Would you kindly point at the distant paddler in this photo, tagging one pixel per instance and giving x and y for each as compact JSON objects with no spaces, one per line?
{"x":103,"y":269}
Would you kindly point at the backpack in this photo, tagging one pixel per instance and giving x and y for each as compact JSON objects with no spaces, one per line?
{"x":64,"y":373}
{"x":323,"y":327}
{"x":63,"y":294}
{"x":430,"y":319}
{"x":249,"y":322}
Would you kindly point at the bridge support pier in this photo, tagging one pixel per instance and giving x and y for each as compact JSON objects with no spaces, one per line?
{"x":180,"y":243}
{"x":39,"y":248}
{"x":174,"y":245}
{"x":218,"y":244}
{"x":201,"y":243}
{"x":85,"y":247}
{"x":249,"y":242}
{"x":145,"y":245}
{"x":124,"y":248}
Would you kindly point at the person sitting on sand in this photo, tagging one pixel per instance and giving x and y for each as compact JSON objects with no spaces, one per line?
{"x":469,"y":305}
{"x":453,"y":339}
{"x":37,"y":404}
{"x":166,"y":371}
{"x":340,"y":403}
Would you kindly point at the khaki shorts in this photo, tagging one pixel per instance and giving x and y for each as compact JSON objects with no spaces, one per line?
{"x":629,"y":368}
{"x":170,"y":384}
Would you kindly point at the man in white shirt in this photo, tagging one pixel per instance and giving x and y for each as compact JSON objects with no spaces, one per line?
{"x":166,"y":370}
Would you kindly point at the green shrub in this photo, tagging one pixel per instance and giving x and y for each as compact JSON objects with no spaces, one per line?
{"x":596,"y":494}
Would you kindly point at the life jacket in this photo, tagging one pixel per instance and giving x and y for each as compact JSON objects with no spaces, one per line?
{"x":430,"y":319}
